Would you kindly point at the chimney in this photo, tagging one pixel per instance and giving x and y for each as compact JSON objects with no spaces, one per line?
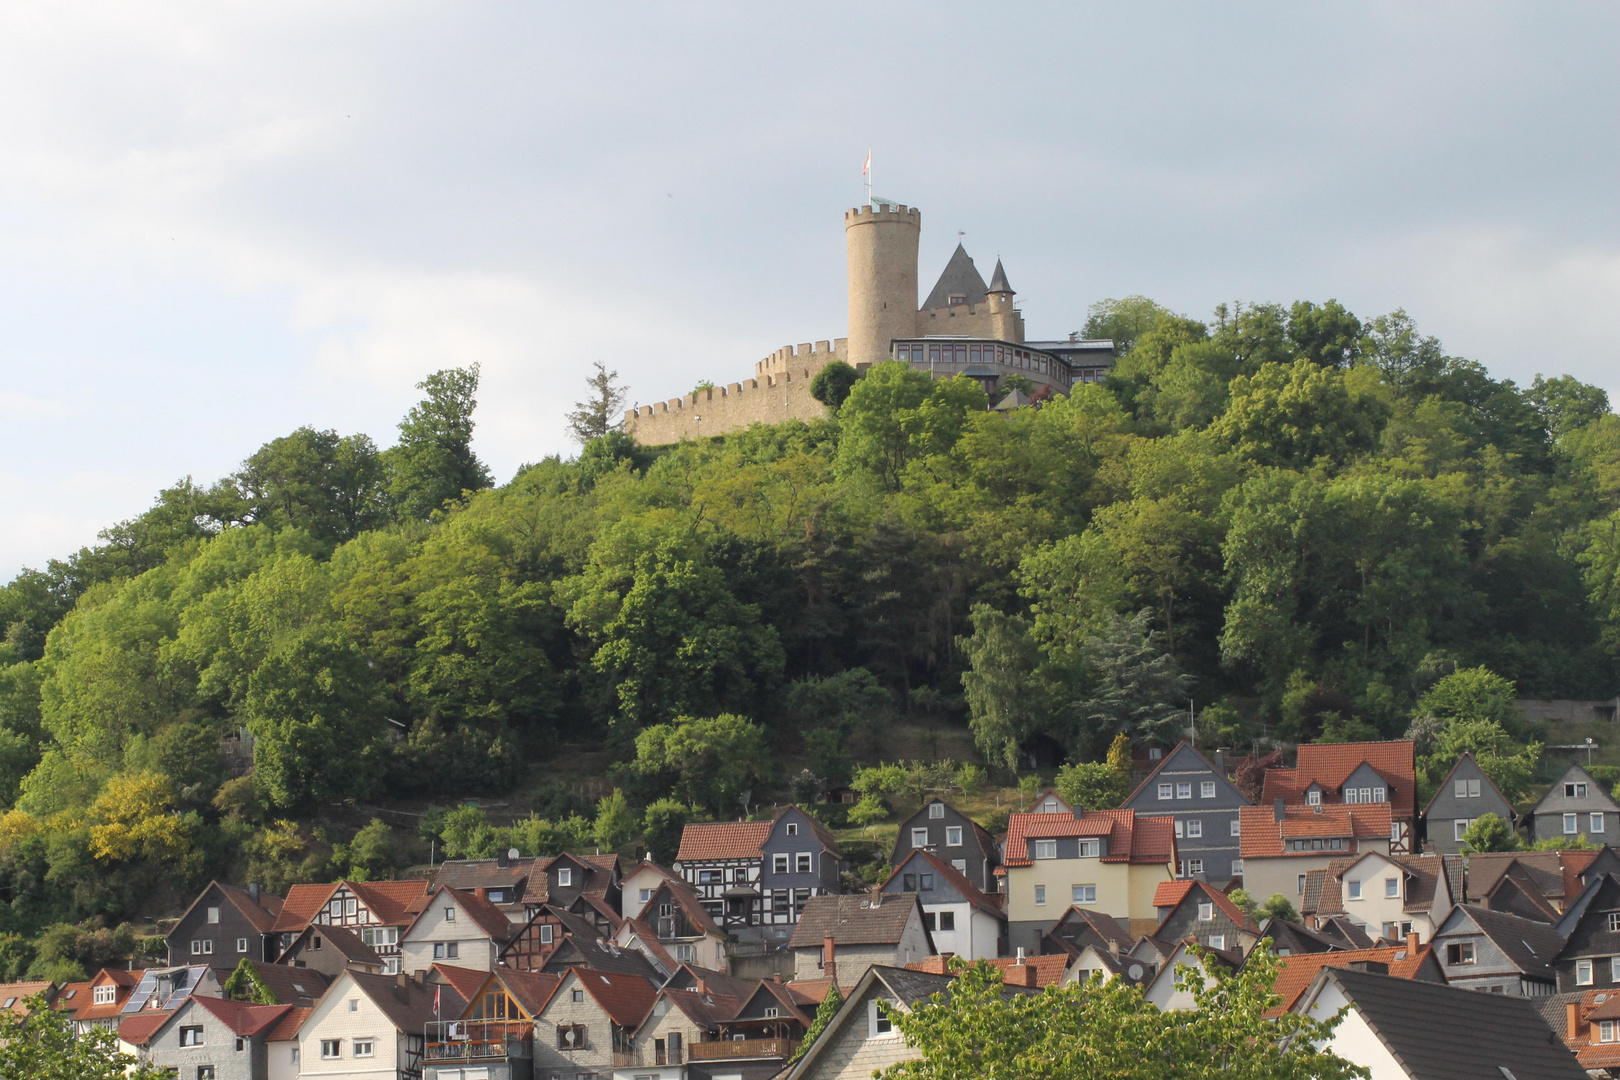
{"x":421,"y":976}
{"x":1411,"y":944}
{"x":1019,"y":974}
{"x":400,"y":979}
{"x":253,"y":891}
{"x":501,"y":860}
{"x":829,"y":962}
{"x":1220,"y":761}
{"x":1572,"y":1021}
{"x":1371,"y":967}
{"x":1277,"y":811}
{"x":482,"y":894}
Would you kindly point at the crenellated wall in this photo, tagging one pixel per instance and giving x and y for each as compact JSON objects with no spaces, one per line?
{"x":782,"y":392}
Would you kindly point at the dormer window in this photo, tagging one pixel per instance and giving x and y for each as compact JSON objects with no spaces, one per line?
{"x":1046,"y":849}
{"x":1575,"y":791}
{"x":1313,"y":797}
{"x":565,"y":877}
{"x":957,"y":298}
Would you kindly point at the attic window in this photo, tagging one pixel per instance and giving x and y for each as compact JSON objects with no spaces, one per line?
{"x":957,"y":298}
{"x":936,"y":809}
{"x":793,"y":828}
{"x":1155,"y":753}
{"x":449,"y":914}
{"x":1206,"y":911}
{"x":1606,"y":1031}
{"x":1313,"y":798}
{"x":1614,"y":921}
{"x":1575,"y":791}
{"x":1460,"y":952}
{"x":497,"y":896}
{"x":565,"y":877}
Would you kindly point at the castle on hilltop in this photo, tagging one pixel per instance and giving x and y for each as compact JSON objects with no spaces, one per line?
{"x":964,"y":327}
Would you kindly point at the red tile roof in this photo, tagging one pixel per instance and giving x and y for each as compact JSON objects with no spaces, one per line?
{"x":489,"y":918}
{"x":1263,"y":835}
{"x":1330,"y":765}
{"x":722,"y":840}
{"x":286,"y":1028}
{"x":1299,"y":970}
{"x":1171,"y":893}
{"x":139,"y":1027}
{"x":394,"y":903}
{"x":72,"y":998}
{"x":1049,"y":968}
{"x":241,"y":1017}
{"x":626,"y":998}
{"x":464,"y":981}
{"x":16,"y":993}
{"x":1131,"y":838}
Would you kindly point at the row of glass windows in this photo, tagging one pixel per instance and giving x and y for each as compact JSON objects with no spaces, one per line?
{"x":1392,"y":888}
{"x":1078,"y":894}
{"x":965,"y":352}
{"x":1572,"y":823}
{"x":1206,"y":790}
{"x":1047,"y":849}
{"x":953,"y":836}
{"x":1193,"y":828}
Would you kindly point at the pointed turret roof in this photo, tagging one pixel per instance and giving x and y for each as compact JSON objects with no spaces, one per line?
{"x":998,"y":280}
{"x":960,"y":278}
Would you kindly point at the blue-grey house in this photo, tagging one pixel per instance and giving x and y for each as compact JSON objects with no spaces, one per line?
{"x":1187,"y":787}
{"x":1463,"y":797}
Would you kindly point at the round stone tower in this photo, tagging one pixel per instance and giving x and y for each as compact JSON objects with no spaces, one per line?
{"x":882,"y":246}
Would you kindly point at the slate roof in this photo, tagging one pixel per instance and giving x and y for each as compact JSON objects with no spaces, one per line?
{"x":1445,"y":785}
{"x":290,"y":985}
{"x":1264,"y":836}
{"x":1440,"y":1032}
{"x":1080,"y":923}
{"x":1298,"y":938}
{"x":1219,"y":899}
{"x":1299,"y":970}
{"x":998,"y":280}
{"x":531,"y":989}
{"x":1556,"y":874}
{"x":408,"y":1007}
{"x":1330,"y":765}
{"x":716,"y":982}
{"x":1132,"y":837}
{"x":1529,"y":944}
{"x":959,"y":278}
{"x":722,"y":840}
{"x":990,"y":905}
{"x":854,"y":919}
{"x":797,"y":1005}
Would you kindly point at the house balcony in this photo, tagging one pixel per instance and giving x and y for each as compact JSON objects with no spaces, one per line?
{"x":739,"y":1049}
{"x":478,"y":1040}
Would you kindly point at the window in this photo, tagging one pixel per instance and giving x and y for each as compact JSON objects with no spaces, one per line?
{"x":331,"y":1049}
{"x":1613,"y":920}
{"x":1155,"y":753}
{"x":1206,"y":911}
{"x":379,"y":935}
{"x":1090,"y":849}
{"x":1217,"y":941}
{"x":1353,"y":890}
{"x":241,"y":1044}
{"x":1459,"y":827}
{"x":1083,"y":894}
{"x":314,"y":943}
{"x":351,"y":906}
{"x":547,"y":934}
{"x":908,"y":882}
{"x":936,"y":809}
{"x":205,"y":1072}
{"x":953,"y":835}
{"x":1575,"y":791}
{"x":572,"y":1036}
{"x":1605,"y":1031}
{"x":365,"y":1048}
{"x":497,"y":896}
{"x":241,"y":944}
{"x":792,"y":829}
{"x":927,"y":881}
{"x":295,"y":1055}
{"x":1596,"y":822}
{"x":709,"y":877}
{"x":1460,"y":952}
{"x":772,"y":1013}
{"x":930,"y":921}
{"x":1166,"y":791}
{"x":877,"y":1020}
{"x":1046,"y":849}
{"x":565,"y":877}
{"x":1195,"y":866}
{"x":578,"y":995}
{"x":354,"y":1004}
{"x":449,"y":914}
{"x":1614,"y":969}
{"x":646,"y":895}
{"x":1184,"y":791}
{"x":919,"y":837}
{"x":1040,"y":895}
{"x":191,"y":1036}
{"x":686,"y":954}
{"x":1583,"y":973}
{"x":1301,"y":885}
{"x":105,"y":995}
{"x":1049,"y":806}
{"x":959,"y":865}
{"x":1392,"y":887}
{"x":1379,"y":795}
{"x":1572,"y":824}
{"x":1195,"y":829}
{"x":802,"y":862}
{"x":1459,"y":789}
{"x":1237,"y":828}
{"x":947,"y":921}
{"x":213,"y":915}
{"x":779,"y":864}
{"x":391,"y":965}
{"x":1313,"y":798}
{"x":205,"y":947}
{"x":446,"y":950}
{"x":1179,"y":828}
{"x":1237,"y":867}
{"x":1206,"y":790}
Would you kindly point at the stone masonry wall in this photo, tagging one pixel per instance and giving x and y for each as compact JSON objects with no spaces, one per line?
{"x":782,"y":393}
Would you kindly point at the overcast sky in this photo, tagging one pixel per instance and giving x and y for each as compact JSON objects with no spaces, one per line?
{"x":221,"y":221}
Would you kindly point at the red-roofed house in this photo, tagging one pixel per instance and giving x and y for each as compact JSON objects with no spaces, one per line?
{"x":104,"y":996}
{"x":206,"y":1036}
{"x":1207,"y":915}
{"x":589,"y":1019}
{"x":1332,"y":774}
{"x":754,"y":877}
{"x":1406,"y":961}
{"x":379,"y":911}
{"x":455,"y":927}
{"x":1282,"y":844}
{"x":1110,"y":860}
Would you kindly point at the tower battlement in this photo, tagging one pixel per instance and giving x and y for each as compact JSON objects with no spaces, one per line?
{"x":877,"y":213}
{"x":807,"y":357}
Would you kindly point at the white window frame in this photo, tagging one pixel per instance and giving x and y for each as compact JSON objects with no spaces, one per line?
{"x":1458,"y":827}
{"x":1183,"y":790}
{"x":804,"y":863}
{"x":213,"y":916}
{"x":1605,"y":1031}
{"x":1352,"y":890}
{"x":104,"y":995}
{"x":1179,"y":828}
{"x":1083,"y":894}
{"x":1167,"y":792}
{"x":919,"y":837}
{"x":792,"y":829}
{"x":1195,"y":829}
{"x":1090,"y":849}
{"x":333,"y":1045}
{"x":1572,"y":824}
{"x":1614,"y":969}
{"x":1392,"y":888}
{"x":369,"y":1048}
{"x":1044,"y":849}
{"x":1195,"y":866}
{"x":1313,"y":798}
{"x":1595,"y":821}
{"x":1583,"y":973}
{"x":878,"y":1026}
{"x":241,"y":944}
{"x":936,"y":810}
{"x":1217,"y":941}
{"x":780,"y":862}
{"x":1206,"y":910}
{"x":1206,"y":789}
{"x":565,"y":877}
{"x":953,"y":835}
{"x":1237,"y":827}
{"x":191,"y":1035}
{"x":1237,"y":867}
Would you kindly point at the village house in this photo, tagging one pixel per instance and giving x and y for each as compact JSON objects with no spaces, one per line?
{"x":555,"y":940}
{"x":1198,"y":911}
{"x":1108,"y":860}
{"x":756,"y":1040}
{"x":755,"y":877}
{"x":493,"y":1034}
{"x":839,"y":937}
{"x":1388,"y":896}
{"x":588,"y":1025}
{"x":373,"y":1025}
{"x":329,"y":950}
{"x":1498,"y":953}
{"x":1288,"y":938}
{"x":1351,"y":774}
{"x":379,"y":911}
{"x":520,"y":886}
{"x":1193,"y":791}
{"x":209,"y":1039}
{"x":287,"y":984}
{"x":224,"y":924}
{"x":1576,"y":805}
{"x":961,"y":919}
{"x":680,"y":1020}
{"x":1282,"y":844}
{"x":944,"y":831}
{"x":164,"y":988}
{"x":281,"y":1044}
{"x":681,"y":925}
{"x":636,"y":890}
{"x":1591,"y":931}
{"x":1409,"y":960}
{"x":458,"y":928}
{"x":103,"y":999}
{"x":1533,"y":884}
{"x":1463,"y":797}
{"x":1162,"y":989}
{"x":1080,"y":927}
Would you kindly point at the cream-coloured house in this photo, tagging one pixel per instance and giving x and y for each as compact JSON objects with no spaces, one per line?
{"x":1107,"y":860}
{"x":589,"y":1022}
{"x":459,"y":928}
{"x":1388,"y":896}
{"x":637,"y":887}
{"x":372,"y":1026}
{"x":1282,"y":844}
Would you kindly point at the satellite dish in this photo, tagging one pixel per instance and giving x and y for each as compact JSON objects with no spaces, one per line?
{"x":1134,"y":971}
{"x":568,"y":1036}
{"x":512,"y":853}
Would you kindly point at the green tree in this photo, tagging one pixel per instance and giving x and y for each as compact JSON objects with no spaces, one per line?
{"x":433,"y":462}
{"x":39,"y":1042}
{"x":1566,"y":404}
{"x":333,"y":488}
{"x":467,"y":833}
{"x":1489,"y":832}
{"x":1291,"y":415}
{"x":1094,"y":785}
{"x":824,"y":1015}
{"x":662,"y":824}
{"x":895,"y":414}
{"x":1133,"y":686}
{"x":832,"y":384}
{"x":1278,"y":907}
{"x":246,"y":984}
{"x":600,"y":412}
{"x":371,"y":855}
{"x":615,"y":825}
{"x":711,"y":762}
{"x":1007,"y":695}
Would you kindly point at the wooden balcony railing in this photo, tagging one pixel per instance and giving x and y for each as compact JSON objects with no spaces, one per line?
{"x":732,"y":1049}
{"x":477,"y":1040}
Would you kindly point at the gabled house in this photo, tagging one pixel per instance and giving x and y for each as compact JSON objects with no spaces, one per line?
{"x":1388,"y":896}
{"x":1187,"y":788}
{"x":209,"y":1038}
{"x":1108,"y":860}
{"x":555,"y":940}
{"x":961,"y":919}
{"x":1351,"y":774}
{"x":103,"y":999}
{"x":680,"y":1020}
{"x":639,"y":882}
{"x":379,"y":911}
{"x":329,"y":950}
{"x":1080,"y":928}
{"x":839,"y":937}
{"x":589,"y":1023}
{"x":281,"y":1044}
{"x":1288,"y":938}
{"x":1283,"y":843}
{"x":1409,"y":961}
{"x":1463,"y":797}
{"x":1161,"y":989}
{"x":942,"y":830}
{"x":1405,"y":1029}
{"x":1575,"y":805}
{"x":520,"y":886}
{"x":224,"y":924}
{"x":1590,"y":957}
{"x":494,"y":1031}
{"x":681,"y":925}
{"x":373,"y":1025}
{"x":755,"y":877}
{"x":1532,"y":884}
{"x":161,"y":989}
{"x":1205,"y":914}
{"x":1498,"y":953}
{"x":462,"y":929}
{"x":288,"y":985}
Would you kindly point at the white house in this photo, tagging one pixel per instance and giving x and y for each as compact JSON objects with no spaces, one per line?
{"x":372,"y":1025}
{"x":454,"y":927}
{"x":962,"y":919}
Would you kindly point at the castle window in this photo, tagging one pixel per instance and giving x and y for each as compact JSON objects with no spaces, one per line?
{"x":957,"y":298}
{"x":933,"y":354}
{"x":973,"y":353}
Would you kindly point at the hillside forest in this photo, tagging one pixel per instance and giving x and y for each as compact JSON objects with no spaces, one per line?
{"x":1283,"y":522}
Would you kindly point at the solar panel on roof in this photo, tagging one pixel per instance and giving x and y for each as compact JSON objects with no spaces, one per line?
{"x":145,"y":989}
